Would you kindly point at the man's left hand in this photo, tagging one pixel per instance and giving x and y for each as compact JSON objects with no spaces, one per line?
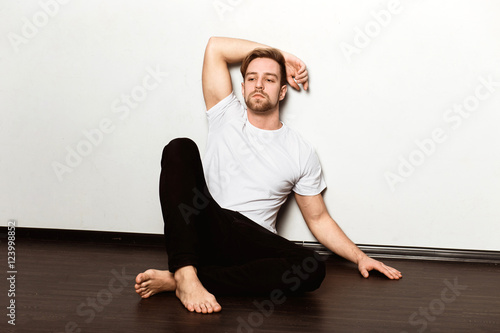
{"x":296,"y":71}
{"x":367,"y":264}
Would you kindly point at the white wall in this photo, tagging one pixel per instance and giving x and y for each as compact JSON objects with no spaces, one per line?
{"x":370,"y":99}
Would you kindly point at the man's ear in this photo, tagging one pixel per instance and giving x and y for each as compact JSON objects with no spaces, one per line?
{"x":243,"y":89}
{"x":283,"y":91}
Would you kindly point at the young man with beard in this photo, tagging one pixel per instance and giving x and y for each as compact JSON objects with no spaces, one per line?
{"x":220,"y":214}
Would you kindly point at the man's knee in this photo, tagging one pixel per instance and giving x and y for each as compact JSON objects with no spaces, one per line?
{"x":179,"y":145}
{"x":318,"y":276}
{"x":307,"y":273}
{"x":179,"y":148}
{"x":315,"y":270}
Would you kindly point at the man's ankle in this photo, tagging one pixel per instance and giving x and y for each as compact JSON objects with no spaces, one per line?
{"x":185,"y":272}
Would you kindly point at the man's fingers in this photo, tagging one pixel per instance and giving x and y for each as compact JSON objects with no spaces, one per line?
{"x":301,"y":72}
{"x":302,"y":79}
{"x":300,"y":66}
{"x":394,"y":271}
{"x":306,"y":85}
{"x":292,"y":82}
{"x":388,"y":271}
{"x":391,"y":272}
{"x":301,"y":75}
{"x":397,"y":274}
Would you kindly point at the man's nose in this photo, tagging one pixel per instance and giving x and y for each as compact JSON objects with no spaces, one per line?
{"x":259,"y":83}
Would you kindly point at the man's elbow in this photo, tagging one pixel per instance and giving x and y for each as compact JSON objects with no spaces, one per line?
{"x":315,"y":220}
{"x":213,"y":43}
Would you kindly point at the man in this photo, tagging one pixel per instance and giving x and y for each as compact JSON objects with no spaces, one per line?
{"x":220,"y":213}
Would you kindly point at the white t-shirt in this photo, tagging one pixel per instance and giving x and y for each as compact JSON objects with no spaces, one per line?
{"x":252,"y":171}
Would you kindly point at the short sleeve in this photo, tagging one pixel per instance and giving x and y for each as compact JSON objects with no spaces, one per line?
{"x":311,"y":181}
{"x":228,"y":108}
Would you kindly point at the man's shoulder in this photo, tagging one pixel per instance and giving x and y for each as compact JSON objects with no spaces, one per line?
{"x":295,"y":137}
{"x":228,"y":107}
{"x":229,"y":100}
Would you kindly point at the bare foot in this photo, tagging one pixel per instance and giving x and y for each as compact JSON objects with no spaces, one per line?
{"x":192,"y":294}
{"x":154,"y":281}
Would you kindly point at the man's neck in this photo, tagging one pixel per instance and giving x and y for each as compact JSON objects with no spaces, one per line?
{"x":265,"y":121}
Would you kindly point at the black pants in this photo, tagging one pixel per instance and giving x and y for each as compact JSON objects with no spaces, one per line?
{"x":233,"y":255}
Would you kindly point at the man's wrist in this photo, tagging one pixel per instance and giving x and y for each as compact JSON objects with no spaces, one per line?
{"x":360,"y":256}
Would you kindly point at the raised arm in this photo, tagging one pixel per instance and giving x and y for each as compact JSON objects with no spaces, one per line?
{"x":222,"y":51}
{"x":328,"y":233}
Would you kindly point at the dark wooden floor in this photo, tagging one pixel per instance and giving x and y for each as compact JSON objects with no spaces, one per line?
{"x":85,"y":287}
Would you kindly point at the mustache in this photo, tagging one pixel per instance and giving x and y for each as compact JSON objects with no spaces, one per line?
{"x":259,"y":92}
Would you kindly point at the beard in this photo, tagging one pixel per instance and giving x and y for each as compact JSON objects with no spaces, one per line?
{"x":260,"y":105}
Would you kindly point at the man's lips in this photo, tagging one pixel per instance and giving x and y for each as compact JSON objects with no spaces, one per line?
{"x":258,"y":95}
